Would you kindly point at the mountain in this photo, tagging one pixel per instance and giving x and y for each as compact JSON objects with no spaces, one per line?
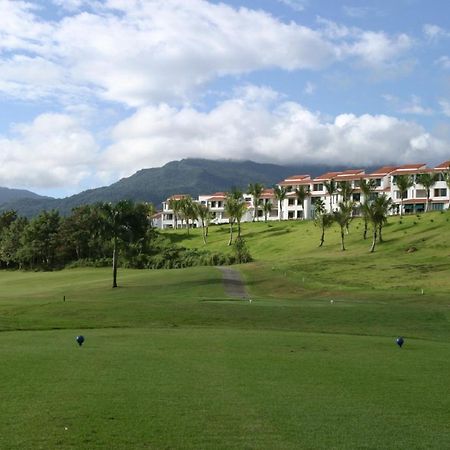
{"x":9,"y":195}
{"x":188,"y":176}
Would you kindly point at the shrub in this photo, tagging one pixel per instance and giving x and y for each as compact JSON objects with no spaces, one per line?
{"x":241,"y":251}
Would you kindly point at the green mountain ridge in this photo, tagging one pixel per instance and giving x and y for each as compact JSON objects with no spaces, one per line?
{"x":187,"y":176}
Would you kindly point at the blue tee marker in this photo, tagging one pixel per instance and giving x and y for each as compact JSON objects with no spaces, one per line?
{"x":80,"y":340}
{"x":400,"y":341}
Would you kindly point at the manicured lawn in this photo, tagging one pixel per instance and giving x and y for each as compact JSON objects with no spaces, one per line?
{"x":170,"y":362}
{"x":208,"y":388}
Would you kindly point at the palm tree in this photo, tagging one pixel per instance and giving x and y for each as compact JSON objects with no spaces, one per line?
{"x":175,"y":206}
{"x":377,"y":212}
{"x":446,"y":176}
{"x":367,"y":187}
{"x":280,"y":194}
{"x":427,"y":180}
{"x":345,"y":190}
{"x":188,"y":210}
{"x":343,"y":217}
{"x":403,"y":182}
{"x":267,"y":207}
{"x":331,"y":189}
{"x":301,"y":193}
{"x":255,"y":190}
{"x":322,"y":218}
{"x":122,"y":222}
{"x":204,"y":215}
{"x":234,"y":208}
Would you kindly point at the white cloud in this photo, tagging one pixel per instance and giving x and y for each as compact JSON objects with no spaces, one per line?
{"x":140,"y":52}
{"x":51,"y":151}
{"x":445,"y":107}
{"x":310,"y":88}
{"x":413,"y":106}
{"x":284,"y":133}
{"x":357,"y":12}
{"x":296,"y":5}
{"x":375,"y":50}
{"x":444,"y":62}
{"x":435,"y":32}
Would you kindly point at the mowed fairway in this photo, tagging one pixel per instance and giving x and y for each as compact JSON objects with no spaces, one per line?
{"x":170,"y":362}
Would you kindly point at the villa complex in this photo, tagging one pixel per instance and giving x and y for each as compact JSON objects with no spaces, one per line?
{"x":384,"y":182}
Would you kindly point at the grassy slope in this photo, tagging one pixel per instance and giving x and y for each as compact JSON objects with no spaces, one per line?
{"x":169,"y":362}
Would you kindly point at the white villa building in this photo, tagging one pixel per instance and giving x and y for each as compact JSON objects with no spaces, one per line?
{"x":291,"y":209}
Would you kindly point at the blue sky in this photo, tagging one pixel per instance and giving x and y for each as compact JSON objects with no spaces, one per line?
{"x":91,"y":91}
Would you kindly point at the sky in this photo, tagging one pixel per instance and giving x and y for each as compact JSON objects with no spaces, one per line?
{"x":93,"y":90}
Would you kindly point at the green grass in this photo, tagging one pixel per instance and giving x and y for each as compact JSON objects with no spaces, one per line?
{"x":170,"y":362}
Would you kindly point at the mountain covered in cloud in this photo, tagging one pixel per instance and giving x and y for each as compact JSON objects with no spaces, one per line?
{"x":188,"y":176}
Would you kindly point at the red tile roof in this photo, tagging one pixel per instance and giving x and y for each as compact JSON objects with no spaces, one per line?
{"x":327,"y":176}
{"x":178,"y":196}
{"x":295,"y":179}
{"x":383,"y":171}
{"x":443,"y":166}
{"x":268,"y":193}
{"x":411,"y":167}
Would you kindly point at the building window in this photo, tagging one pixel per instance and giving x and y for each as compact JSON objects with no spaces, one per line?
{"x":377,"y":182}
{"x":440,"y":192}
{"x":356,"y":197}
{"x":437,"y":206}
{"x":299,"y":214}
{"x":318,"y":187}
{"x":356,"y":183}
{"x":219,"y":204}
{"x":290,"y":214}
{"x":398,"y":195}
{"x":291,"y":202}
{"x":421,"y":193}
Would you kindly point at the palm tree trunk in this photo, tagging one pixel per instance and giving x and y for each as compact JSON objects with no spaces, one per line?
{"x":115,"y":263}
{"x":203,"y":232}
{"x":374,"y":239}
{"x":342,"y":239}
{"x":380,"y":236}
{"x":322,"y":238}
{"x":239,"y":229}
{"x":365,"y":228}
{"x":231,"y":234}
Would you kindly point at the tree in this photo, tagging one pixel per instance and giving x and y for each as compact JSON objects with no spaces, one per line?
{"x":122,"y":223}
{"x":235,"y":209}
{"x":403,"y":182}
{"x":331,"y":188}
{"x":345,"y":190}
{"x":204,"y":216}
{"x":40,"y":240}
{"x":187,"y":210}
{"x":367,"y":187}
{"x":321,"y":218}
{"x":280,"y":194}
{"x":255,"y":190}
{"x":302,"y":193}
{"x":175,"y":206}
{"x":377,"y":212}
{"x":427,"y":180}
{"x":343,"y":217}
{"x":267,"y":208}
{"x":11,"y":243}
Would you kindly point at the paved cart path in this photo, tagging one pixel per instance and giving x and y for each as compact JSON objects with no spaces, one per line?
{"x":233,"y":284}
